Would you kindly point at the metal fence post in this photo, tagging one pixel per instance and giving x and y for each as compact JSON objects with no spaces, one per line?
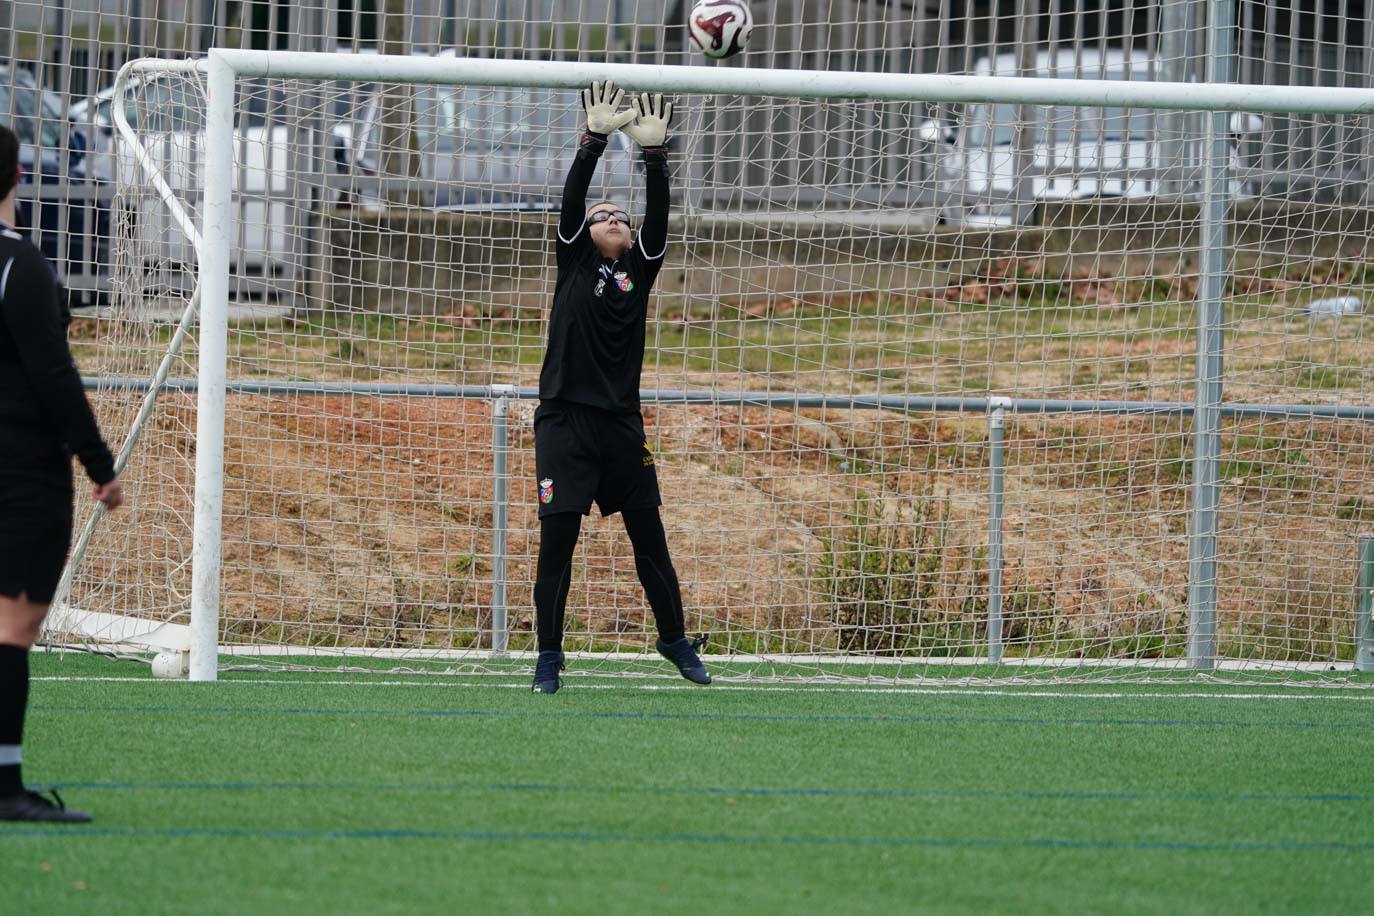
{"x":997,"y":411}
{"x":500,"y":411}
{"x":1364,"y":605}
{"x":1027,"y":116}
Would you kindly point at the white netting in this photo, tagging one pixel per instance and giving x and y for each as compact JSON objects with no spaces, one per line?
{"x":402,"y":236}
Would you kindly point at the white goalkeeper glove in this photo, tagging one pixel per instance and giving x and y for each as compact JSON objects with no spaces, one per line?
{"x":601,"y":103}
{"x":650,"y":125}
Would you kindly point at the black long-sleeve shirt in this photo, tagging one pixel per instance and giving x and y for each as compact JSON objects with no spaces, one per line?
{"x":40,"y":388}
{"x":596,"y":329}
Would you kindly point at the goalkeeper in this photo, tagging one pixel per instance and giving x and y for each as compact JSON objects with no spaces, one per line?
{"x":588,"y":431}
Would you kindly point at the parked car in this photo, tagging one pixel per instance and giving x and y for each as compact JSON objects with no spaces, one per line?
{"x":167,"y":111}
{"x":492,"y":148}
{"x":478,"y":149}
{"x":69,"y":211}
{"x":1072,"y":153}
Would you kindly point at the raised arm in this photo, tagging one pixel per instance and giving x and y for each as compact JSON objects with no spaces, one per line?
{"x":574,"y":206}
{"x":29,"y":309}
{"x":600,"y":103}
{"x":653,"y":234}
{"x":650,"y":131}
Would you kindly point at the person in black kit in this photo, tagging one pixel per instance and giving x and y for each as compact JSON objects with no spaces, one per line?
{"x":44,"y":418}
{"x":589,"y":438}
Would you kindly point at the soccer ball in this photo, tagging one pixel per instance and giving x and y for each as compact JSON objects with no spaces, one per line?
{"x":720,"y":28}
{"x":169,"y":665}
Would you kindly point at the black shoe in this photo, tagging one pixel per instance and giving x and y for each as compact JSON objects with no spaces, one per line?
{"x":683,"y":653}
{"x":546,"y":670}
{"x":31,"y":806}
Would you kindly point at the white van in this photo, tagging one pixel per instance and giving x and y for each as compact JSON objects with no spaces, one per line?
{"x":1073,"y":153}
{"x":167,"y":111}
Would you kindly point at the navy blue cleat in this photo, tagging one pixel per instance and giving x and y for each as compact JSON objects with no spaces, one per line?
{"x":683,"y":653}
{"x":546,"y":668}
{"x":31,"y":806}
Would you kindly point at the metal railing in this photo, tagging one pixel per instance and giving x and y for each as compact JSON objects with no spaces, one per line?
{"x":1201,"y":647}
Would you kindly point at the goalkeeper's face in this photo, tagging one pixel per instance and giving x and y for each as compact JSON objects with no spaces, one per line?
{"x":611,"y":236}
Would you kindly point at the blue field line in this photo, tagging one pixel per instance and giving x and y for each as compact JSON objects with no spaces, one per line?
{"x":856,"y":718}
{"x":714,"y":791}
{"x":68,"y":833}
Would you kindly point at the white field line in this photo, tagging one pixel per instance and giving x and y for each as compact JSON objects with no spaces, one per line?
{"x":836,"y":661}
{"x":758,"y":688}
{"x":843,"y":661}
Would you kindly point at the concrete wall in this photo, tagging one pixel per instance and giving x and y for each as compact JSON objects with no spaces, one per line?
{"x":433,"y":262}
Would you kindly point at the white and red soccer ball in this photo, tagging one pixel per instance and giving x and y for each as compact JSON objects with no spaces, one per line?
{"x":720,"y":28}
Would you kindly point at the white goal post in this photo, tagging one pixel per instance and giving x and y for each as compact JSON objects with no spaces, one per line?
{"x":1008,"y":312}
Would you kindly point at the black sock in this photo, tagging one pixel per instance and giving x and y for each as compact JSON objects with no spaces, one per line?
{"x":14,"y":699}
{"x":553,"y":576}
{"x":656,"y":573}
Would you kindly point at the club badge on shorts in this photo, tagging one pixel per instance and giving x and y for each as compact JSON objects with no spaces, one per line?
{"x":623,"y":281}
{"x":546,"y":490}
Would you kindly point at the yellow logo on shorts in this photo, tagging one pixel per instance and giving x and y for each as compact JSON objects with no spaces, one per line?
{"x":648,"y":456}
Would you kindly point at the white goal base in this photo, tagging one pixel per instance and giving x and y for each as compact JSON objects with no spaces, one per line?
{"x":116,"y":632}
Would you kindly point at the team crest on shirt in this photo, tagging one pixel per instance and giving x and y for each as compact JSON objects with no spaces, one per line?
{"x":546,"y":490}
{"x":623,"y":281}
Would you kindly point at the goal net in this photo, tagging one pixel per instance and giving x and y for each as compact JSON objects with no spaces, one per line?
{"x":944,"y":378}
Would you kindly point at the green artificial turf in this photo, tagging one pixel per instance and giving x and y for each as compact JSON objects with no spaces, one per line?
{"x":469,"y":795}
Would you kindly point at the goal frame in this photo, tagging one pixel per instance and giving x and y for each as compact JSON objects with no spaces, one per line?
{"x":222,"y":68}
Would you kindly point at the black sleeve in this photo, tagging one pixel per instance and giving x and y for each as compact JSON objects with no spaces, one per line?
{"x":653,"y":235}
{"x":31,"y":311}
{"x":572,"y":216}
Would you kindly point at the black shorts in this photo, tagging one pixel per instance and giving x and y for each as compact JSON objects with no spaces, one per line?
{"x":35,"y":512}
{"x":584,"y":455}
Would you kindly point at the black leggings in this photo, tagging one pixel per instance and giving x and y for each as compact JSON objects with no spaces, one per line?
{"x":553,"y":575}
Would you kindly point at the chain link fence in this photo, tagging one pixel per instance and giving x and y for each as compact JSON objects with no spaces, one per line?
{"x":58,"y":59}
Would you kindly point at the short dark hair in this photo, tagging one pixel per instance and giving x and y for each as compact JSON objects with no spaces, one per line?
{"x":9,"y":160}
{"x":600,"y":203}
